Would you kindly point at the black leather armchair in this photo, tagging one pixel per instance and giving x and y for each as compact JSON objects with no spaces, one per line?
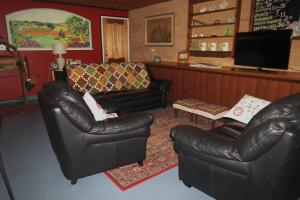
{"x":84,"y":146}
{"x":260,"y":161}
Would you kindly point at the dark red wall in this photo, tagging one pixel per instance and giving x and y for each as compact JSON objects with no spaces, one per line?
{"x":39,"y":60}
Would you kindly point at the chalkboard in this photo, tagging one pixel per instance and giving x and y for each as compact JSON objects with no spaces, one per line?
{"x":276,"y":14}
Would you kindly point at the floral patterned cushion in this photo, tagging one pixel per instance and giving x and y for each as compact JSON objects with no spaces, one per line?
{"x":96,"y":78}
{"x":246,"y":108}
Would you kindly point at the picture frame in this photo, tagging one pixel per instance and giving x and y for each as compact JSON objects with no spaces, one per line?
{"x":39,"y":28}
{"x":183,"y":57}
{"x":73,"y":62}
{"x":159,"y":30}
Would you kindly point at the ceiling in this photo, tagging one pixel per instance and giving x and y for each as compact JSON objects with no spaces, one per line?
{"x":111,"y":4}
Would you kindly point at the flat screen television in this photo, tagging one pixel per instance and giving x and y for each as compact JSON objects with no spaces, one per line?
{"x":264,"y":49}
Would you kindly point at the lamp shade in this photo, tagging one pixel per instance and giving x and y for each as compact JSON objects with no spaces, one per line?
{"x":59,"y":48}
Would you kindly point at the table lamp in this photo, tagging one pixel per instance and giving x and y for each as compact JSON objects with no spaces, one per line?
{"x":59,"y":49}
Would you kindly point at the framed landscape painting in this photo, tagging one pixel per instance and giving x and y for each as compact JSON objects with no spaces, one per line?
{"x":39,"y":28}
{"x":159,"y":30}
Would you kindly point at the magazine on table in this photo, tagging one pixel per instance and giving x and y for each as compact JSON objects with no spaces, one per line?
{"x":205,"y":65}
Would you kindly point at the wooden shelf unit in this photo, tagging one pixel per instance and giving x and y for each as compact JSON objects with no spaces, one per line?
{"x":215,"y":24}
{"x":220,"y":54}
{"x":218,"y":36}
{"x":11,"y":67}
{"x":199,"y":1}
{"x":296,"y":38}
{"x":213,"y":11}
{"x":194,"y":41}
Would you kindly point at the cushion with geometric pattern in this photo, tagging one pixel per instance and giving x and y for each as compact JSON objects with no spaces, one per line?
{"x":247,"y":107}
{"x":95,"y":78}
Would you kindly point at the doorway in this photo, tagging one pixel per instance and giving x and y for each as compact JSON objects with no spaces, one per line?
{"x":115,"y":39}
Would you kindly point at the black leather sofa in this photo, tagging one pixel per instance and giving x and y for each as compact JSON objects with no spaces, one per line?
{"x":84,"y":146}
{"x":259,"y":161}
{"x":156,"y":96}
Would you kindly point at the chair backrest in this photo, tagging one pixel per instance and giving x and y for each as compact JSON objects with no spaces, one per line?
{"x":268,"y":126}
{"x":58,"y":94}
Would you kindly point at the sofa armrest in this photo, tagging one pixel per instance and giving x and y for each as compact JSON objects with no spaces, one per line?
{"x":198,"y":141}
{"x":121,"y":124}
{"x":163,"y":86}
{"x":121,"y":128}
{"x":160,"y":84}
{"x":231,"y":128}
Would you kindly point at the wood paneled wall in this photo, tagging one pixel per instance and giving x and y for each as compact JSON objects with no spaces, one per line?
{"x":224,"y":87}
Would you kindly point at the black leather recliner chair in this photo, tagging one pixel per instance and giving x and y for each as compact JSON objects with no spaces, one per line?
{"x":259,"y":161}
{"x":84,"y":146}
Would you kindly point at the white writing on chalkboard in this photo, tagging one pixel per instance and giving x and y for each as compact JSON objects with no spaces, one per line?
{"x":272,"y":14}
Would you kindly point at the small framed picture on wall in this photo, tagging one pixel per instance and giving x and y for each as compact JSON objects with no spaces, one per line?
{"x":183,"y":57}
{"x":73,"y":62}
{"x":159,"y":30}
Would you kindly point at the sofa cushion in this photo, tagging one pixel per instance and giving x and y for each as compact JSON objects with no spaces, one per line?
{"x":95,"y":78}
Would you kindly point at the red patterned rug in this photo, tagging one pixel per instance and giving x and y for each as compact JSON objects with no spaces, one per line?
{"x":160,"y":153}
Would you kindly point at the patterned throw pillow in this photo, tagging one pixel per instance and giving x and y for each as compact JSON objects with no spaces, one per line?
{"x":96,"y":78}
{"x":246,"y":108}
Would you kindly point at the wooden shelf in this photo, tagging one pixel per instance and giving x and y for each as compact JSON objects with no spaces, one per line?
{"x":229,"y":36}
{"x":220,"y":54}
{"x":199,"y":1}
{"x":216,"y":24}
{"x":213,"y":11}
{"x":296,"y":38}
{"x":194,"y":28}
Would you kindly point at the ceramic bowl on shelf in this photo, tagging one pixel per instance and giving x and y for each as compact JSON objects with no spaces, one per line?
{"x":230,"y":19}
{"x":203,"y":46}
{"x":212,"y":7}
{"x":223,"y":5}
{"x":156,"y":59}
{"x":203,"y":9}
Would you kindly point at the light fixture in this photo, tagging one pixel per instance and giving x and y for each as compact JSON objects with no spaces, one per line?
{"x":59,"y":49}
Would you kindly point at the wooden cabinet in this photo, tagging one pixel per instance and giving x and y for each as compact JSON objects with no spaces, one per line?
{"x":11,"y":69}
{"x":212,"y":27}
{"x":224,"y":86}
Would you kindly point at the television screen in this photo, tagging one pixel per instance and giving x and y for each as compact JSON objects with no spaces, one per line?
{"x":265,"y":49}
